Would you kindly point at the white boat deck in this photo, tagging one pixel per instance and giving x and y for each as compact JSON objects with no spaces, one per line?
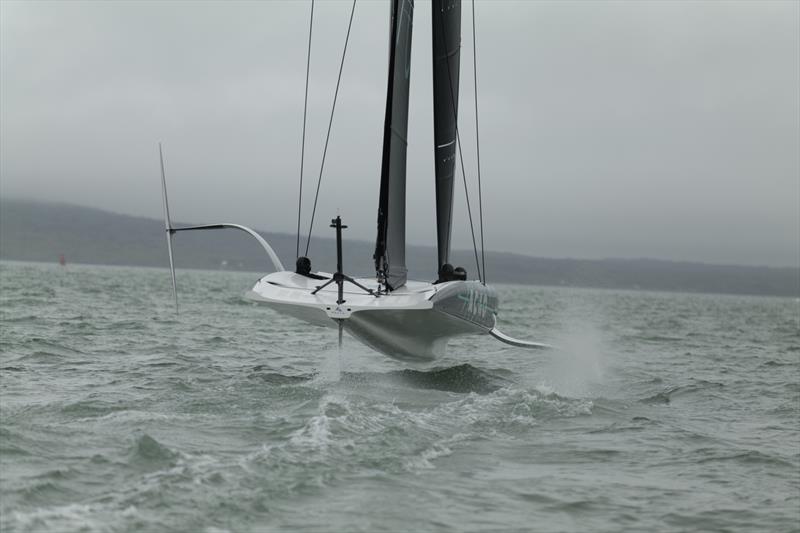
{"x":290,"y":288}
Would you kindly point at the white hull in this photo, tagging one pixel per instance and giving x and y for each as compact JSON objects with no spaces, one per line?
{"x":412,"y":323}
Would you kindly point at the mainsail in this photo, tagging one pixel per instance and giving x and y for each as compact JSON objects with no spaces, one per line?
{"x":390,"y":245}
{"x":446,"y":19}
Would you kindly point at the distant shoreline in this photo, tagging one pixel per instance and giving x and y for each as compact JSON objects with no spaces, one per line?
{"x":40,"y":232}
{"x":55,"y":265}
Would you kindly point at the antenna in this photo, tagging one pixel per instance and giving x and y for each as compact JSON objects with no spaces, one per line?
{"x":168,"y":226}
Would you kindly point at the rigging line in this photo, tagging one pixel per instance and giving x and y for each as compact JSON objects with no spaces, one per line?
{"x":330,"y":123}
{"x":478,"y":140}
{"x":305,"y":113}
{"x":460,"y":152}
{"x":469,"y":209}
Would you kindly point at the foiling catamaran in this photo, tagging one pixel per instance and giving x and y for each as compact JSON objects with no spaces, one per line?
{"x":403,"y":319}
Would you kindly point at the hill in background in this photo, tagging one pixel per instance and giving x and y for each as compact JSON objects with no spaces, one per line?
{"x":33,"y":231}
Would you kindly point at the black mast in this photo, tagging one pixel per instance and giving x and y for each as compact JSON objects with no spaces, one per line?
{"x":390,"y":243}
{"x":446,"y":26}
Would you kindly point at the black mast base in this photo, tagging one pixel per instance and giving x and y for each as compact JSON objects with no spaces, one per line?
{"x":341,"y":278}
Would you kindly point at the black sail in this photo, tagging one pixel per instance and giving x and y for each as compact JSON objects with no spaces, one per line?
{"x":390,"y":245}
{"x":446,"y":18}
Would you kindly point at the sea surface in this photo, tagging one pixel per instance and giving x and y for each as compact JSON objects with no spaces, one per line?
{"x":659,"y":412}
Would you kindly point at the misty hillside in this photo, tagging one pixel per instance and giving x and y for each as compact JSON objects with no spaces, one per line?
{"x":32,"y":231}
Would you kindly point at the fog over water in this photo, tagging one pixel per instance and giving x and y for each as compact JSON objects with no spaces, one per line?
{"x":608,"y":129}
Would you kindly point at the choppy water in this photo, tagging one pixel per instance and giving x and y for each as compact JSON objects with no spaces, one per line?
{"x":666,"y":412}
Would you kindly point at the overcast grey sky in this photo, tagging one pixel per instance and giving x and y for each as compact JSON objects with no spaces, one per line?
{"x":608,"y":129}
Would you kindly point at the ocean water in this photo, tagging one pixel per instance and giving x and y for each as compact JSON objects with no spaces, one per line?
{"x":660,"y":412}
